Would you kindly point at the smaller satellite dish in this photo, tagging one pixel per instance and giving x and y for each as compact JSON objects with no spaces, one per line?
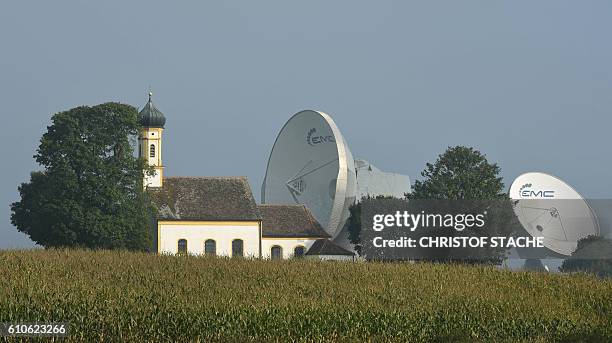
{"x":548,"y":207}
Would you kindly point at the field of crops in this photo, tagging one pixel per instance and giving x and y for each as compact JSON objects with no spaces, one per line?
{"x":112,"y":296}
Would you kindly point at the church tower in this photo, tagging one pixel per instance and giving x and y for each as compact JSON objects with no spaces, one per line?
{"x":152,"y":123}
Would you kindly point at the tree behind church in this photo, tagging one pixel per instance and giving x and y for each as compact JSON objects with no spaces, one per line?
{"x":459,"y":173}
{"x":464,"y":180}
{"x":90,"y":192}
{"x":461,"y":180}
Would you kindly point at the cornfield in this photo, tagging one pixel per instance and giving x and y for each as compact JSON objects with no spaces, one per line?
{"x":124,"y":296}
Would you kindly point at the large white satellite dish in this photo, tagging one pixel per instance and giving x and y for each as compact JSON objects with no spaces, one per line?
{"x":548,"y":207}
{"x":311,"y":164}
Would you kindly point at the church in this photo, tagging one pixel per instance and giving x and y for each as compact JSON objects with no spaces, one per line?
{"x":219,"y":216}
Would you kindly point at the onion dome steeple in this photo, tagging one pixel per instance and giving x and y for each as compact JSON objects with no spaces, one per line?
{"x":150,"y":116}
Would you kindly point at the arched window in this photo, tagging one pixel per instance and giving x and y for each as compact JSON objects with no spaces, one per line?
{"x":276,"y":252}
{"x":152,"y":150}
{"x":298,"y":251}
{"x":182,"y":246}
{"x":210,"y":247}
{"x":237,"y":248}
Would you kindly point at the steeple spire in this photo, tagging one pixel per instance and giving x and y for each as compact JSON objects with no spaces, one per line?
{"x":150,"y":116}
{"x":152,"y":123}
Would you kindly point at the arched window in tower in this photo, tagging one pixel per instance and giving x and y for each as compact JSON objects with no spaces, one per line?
{"x":210,"y":247}
{"x":152,"y":150}
{"x":182,"y":246}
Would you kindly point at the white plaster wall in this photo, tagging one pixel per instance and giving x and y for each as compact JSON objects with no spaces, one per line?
{"x":153,"y":180}
{"x":288,"y":245}
{"x":196,"y":235}
{"x":150,"y":137}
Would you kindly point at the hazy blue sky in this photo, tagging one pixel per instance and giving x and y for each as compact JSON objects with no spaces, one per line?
{"x":529,"y":83}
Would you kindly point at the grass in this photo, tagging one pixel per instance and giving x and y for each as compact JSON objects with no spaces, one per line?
{"x":110,"y":296}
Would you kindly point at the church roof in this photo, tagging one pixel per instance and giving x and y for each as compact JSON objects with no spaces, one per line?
{"x":150,"y":116}
{"x":289,"y":221}
{"x":205,"y":198}
{"x":327,"y":247}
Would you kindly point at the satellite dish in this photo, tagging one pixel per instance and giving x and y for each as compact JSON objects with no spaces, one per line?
{"x":371,"y":181}
{"x":548,"y":207}
{"x":311,"y":164}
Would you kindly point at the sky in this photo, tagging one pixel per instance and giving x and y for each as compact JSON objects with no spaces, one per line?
{"x":528,"y":83}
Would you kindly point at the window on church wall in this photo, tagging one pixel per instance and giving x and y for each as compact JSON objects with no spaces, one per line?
{"x":182,"y":246}
{"x":210,"y":247}
{"x":237,"y":248}
{"x":152,"y":150}
{"x":298,"y":251}
{"x":276,"y":252}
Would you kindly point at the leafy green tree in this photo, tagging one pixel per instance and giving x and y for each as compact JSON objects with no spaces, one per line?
{"x":354,"y":225}
{"x":459,"y":173}
{"x":591,"y":256}
{"x":354,"y":222}
{"x":90,"y":192}
{"x":464,"y":173}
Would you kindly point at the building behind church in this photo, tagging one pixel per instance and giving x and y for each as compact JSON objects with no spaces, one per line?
{"x":219,"y":216}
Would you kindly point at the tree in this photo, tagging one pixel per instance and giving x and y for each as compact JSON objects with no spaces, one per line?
{"x":354,"y":226}
{"x":592,"y":255}
{"x":90,"y":192}
{"x":354,"y":221}
{"x":460,"y":182}
{"x":459,"y":173}
{"x":463,"y":179}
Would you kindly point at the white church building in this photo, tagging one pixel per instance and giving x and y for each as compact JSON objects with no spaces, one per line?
{"x":219,"y":215}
